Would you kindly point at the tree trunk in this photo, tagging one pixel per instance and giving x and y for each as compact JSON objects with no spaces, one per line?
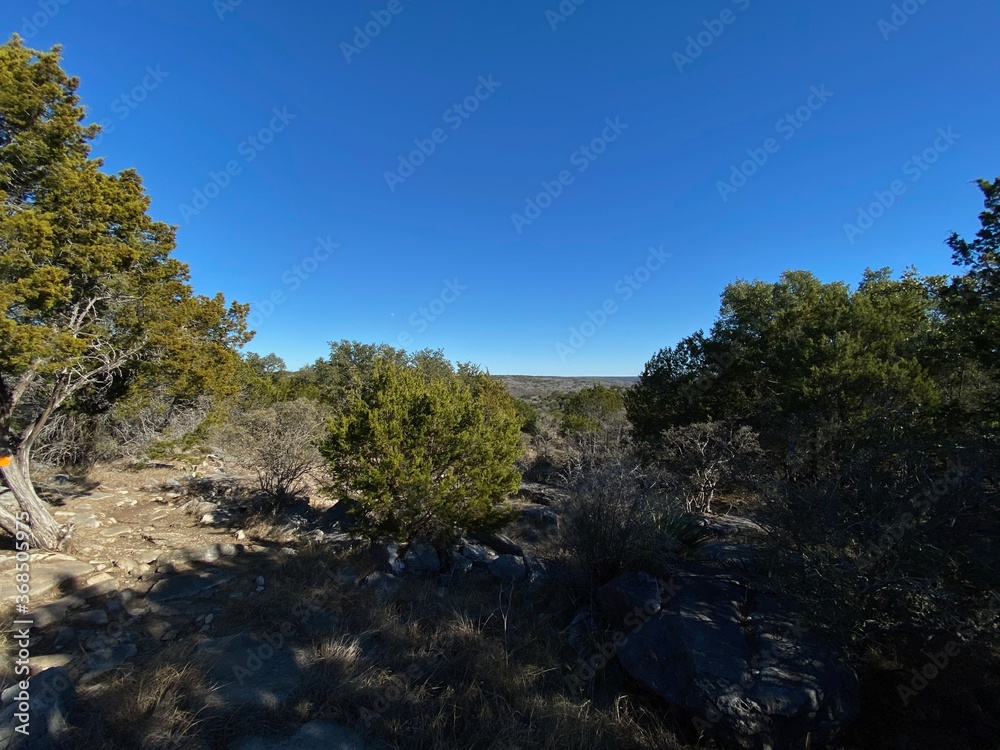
{"x":46,"y":533}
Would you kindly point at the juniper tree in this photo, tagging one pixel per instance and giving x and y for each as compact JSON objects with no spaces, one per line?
{"x":92,"y":300}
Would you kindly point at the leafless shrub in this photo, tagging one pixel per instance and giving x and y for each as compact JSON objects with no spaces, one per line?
{"x":156,"y":427}
{"x":620,"y":516}
{"x":280,"y":443}
{"x":699,"y":456}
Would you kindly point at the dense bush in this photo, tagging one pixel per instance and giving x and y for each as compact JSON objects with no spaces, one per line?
{"x":528,"y":416}
{"x":146,"y":425}
{"x":591,"y":408}
{"x":425,"y":453}
{"x":878,"y":421}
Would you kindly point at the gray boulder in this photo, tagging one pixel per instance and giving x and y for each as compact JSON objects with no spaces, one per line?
{"x":421,"y":559}
{"x":501,"y":544}
{"x":747,"y":672}
{"x":508,"y":568}
{"x":541,"y":517}
{"x":51,"y":697}
{"x":477,"y":553}
{"x":627,"y":594}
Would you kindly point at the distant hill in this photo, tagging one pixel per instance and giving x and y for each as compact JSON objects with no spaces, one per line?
{"x":533,"y":387}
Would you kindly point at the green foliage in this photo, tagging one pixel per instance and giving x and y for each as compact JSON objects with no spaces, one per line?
{"x":590,"y":408}
{"x":877,"y":412}
{"x":687,"y":530}
{"x":974,"y":298}
{"x":426,"y":453}
{"x":93,"y":303}
{"x":971,"y":303}
{"x":528,"y":416}
{"x":798,"y":354}
{"x":351,"y":364}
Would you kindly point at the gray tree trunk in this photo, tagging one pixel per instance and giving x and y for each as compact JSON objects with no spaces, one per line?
{"x":46,"y":533}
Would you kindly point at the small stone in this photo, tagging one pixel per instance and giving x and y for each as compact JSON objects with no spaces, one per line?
{"x":260,"y":580}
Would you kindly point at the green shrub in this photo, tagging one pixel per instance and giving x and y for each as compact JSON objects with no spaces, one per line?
{"x":425,"y":454}
{"x":528,"y":416}
{"x":591,"y":408}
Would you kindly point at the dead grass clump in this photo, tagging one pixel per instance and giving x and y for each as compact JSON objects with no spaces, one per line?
{"x":155,"y":707}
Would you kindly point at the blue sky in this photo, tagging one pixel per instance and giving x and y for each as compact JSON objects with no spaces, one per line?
{"x":541,"y":188}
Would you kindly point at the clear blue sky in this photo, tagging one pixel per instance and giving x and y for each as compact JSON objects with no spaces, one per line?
{"x":186,"y":87}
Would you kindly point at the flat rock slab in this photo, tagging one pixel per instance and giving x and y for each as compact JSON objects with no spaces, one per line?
{"x":735,"y":659}
{"x":186,"y":585}
{"x":246,"y":671}
{"x":47,"y":574}
{"x":53,"y":699}
{"x":104,"y":660}
{"x":113,"y":531}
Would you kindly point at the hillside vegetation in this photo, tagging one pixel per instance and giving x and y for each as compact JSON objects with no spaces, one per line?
{"x":452,"y":551}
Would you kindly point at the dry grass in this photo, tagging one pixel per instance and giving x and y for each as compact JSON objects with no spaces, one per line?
{"x":424,"y":666}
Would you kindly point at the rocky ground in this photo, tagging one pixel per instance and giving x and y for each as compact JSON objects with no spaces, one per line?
{"x":163,"y":558}
{"x":186,"y":617}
